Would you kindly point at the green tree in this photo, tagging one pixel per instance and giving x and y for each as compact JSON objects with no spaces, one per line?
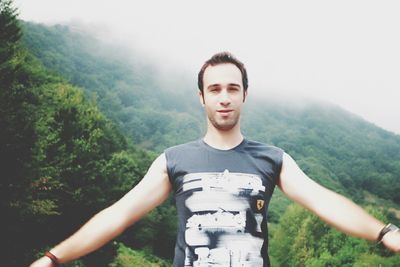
{"x":127,"y":257}
{"x":63,"y":160}
{"x":302,"y":239}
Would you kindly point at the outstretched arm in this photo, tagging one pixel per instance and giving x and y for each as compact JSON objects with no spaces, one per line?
{"x":152,"y":190}
{"x":331,"y":207}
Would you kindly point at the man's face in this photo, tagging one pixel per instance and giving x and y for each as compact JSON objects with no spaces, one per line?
{"x":223,"y":95}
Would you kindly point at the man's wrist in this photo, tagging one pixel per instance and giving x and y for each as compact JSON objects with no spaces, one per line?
{"x":51,"y":263}
{"x":53,"y":258}
{"x":386,"y":229}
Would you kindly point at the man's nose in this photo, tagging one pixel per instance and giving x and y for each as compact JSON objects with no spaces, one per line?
{"x":224,"y":98}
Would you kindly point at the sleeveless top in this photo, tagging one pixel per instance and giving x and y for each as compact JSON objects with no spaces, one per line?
{"x":222,"y":199}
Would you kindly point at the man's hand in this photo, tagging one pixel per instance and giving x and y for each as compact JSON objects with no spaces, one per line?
{"x":42,"y":262}
{"x":392,"y":241}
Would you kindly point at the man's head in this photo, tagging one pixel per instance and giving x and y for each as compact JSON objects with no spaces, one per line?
{"x":222,"y":90}
{"x":222,"y":58}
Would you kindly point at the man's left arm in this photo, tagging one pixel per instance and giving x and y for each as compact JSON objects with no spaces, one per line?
{"x":331,"y":207}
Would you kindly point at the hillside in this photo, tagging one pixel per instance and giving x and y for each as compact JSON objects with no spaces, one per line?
{"x":125,"y":87}
{"x":62,"y":159}
{"x":337,"y":148}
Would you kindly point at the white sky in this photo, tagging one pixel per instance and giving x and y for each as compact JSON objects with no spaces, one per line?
{"x":345,"y":52}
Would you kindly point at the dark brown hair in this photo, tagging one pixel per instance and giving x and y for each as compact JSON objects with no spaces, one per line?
{"x":223,"y":58}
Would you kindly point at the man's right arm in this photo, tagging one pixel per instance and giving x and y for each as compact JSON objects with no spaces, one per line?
{"x":152,"y":190}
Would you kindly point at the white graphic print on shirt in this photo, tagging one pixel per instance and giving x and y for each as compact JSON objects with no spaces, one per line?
{"x":226,"y":212}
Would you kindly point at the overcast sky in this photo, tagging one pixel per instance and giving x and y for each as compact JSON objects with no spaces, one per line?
{"x":345,"y":52}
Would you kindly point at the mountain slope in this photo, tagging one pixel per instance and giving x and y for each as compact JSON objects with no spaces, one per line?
{"x":335,"y":147}
{"x":151,"y":112}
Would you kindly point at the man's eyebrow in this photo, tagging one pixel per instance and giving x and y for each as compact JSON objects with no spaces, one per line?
{"x":216,"y":85}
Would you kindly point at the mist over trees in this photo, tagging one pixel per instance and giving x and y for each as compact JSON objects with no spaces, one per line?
{"x":348,"y":152}
{"x":79,"y":128}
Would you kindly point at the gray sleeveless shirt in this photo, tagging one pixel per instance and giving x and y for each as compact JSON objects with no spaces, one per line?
{"x":222,"y":199}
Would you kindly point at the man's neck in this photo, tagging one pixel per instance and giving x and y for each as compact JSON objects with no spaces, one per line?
{"x":223,"y":140}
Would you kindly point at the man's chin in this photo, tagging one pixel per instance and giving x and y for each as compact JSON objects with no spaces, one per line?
{"x":226,"y":126}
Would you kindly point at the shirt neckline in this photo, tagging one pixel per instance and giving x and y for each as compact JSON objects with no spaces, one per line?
{"x":233,"y":149}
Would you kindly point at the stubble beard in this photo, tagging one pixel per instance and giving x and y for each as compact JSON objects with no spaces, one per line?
{"x":224,"y":125}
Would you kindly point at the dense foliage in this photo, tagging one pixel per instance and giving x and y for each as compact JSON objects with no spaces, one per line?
{"x":131,"y":258}
{"x":62,"y":160}
{"x":302,"y":239}
{"x":73,"y":123}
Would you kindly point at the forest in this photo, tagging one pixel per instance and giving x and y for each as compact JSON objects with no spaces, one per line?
{"x":81,"y":122}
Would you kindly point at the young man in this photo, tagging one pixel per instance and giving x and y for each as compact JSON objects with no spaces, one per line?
{"x":222,"y":185}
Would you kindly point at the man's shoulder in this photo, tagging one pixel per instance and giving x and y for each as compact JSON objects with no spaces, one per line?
{"x":255,"y":145}
{"x":266,"y":153}
{"x":182,"y":152}
{"x":185,"y":146}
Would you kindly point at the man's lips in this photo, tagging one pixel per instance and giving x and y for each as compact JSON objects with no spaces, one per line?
{"x":224,"y":110}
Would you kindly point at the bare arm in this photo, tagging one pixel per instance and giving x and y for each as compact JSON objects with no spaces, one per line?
{"x":112,"y":221}
{"x":331,"y":207}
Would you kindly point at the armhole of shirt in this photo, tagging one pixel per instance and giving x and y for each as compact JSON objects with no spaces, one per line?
{"x":169,"y":167}
{"x":279,"y":165}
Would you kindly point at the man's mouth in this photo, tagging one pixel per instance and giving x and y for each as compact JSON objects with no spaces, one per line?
{"x":224,"y":110}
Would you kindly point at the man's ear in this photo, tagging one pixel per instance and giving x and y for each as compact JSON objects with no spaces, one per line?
{"x":201,"y":98}
{"x":244,"y":96}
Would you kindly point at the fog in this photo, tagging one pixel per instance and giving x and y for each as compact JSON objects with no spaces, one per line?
{"x":344,"y":52}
